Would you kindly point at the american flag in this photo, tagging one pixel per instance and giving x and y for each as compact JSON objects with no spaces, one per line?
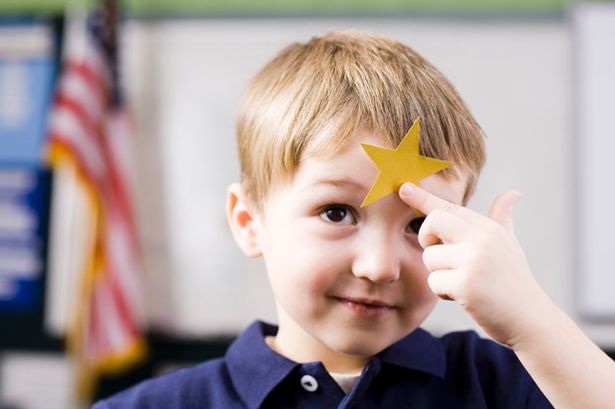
{"x":89,"y":130}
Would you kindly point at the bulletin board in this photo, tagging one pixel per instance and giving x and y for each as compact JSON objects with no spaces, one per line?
{"x":594,"y":36}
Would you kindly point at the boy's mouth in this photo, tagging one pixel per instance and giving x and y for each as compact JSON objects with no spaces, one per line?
{"x":365,"y":307}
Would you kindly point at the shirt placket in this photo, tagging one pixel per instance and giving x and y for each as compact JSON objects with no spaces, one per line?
{"x":354,"y":399}
{"x":315,"y":387}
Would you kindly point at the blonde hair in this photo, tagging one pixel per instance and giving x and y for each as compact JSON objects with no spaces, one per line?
{"x":313,"y":97}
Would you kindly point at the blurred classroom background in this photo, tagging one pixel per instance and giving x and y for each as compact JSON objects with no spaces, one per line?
{"x":539,"y":75}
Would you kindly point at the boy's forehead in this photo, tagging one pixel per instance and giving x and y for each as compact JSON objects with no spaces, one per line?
{"x":337,"y":168}
{"x":352,"y":169}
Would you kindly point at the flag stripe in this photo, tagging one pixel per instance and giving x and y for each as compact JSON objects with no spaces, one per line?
{"x":92,"y":72}
{"x":119,"y":243}
{"x":74,"y":87}
{"x":67,"y":129}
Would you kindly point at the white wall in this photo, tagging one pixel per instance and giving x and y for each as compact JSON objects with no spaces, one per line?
{"x":185,"y":80}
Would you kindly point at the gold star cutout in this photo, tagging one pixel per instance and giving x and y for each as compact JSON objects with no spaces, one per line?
{"x":400,"y":165}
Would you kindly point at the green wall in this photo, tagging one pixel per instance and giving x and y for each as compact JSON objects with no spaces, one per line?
{"x":285,"y":7}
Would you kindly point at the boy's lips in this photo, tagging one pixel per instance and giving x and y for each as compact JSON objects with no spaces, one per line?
{"x":366,"y":306}
{"x":367,"y":301}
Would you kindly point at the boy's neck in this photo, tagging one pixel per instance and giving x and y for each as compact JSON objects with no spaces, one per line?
{"x":296,"y":344}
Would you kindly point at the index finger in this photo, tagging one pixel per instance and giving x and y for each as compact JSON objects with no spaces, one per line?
{"x":426,"y":202}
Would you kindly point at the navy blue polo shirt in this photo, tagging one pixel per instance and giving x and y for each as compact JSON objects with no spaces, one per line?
{"x":459,"y":370}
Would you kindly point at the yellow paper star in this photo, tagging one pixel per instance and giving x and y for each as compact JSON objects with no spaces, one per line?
{"x":400,"y":165}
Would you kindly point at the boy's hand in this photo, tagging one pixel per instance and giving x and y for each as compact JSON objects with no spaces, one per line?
{"x":478,"y":262}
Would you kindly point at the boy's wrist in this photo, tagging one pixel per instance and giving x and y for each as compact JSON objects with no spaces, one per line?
{"x":570,"y":370}
{"x":545,"y":323}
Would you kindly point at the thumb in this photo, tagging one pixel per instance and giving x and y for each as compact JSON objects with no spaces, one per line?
{"x":501,"y":208}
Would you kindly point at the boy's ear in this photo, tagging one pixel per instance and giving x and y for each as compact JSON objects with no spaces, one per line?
{"x":241,"y":219}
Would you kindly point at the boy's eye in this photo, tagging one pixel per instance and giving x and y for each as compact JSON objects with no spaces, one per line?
{"x":338,"y":215}
{"x":415,"y":225}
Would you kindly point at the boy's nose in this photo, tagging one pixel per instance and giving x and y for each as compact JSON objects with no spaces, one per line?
{"x":379,"y":260}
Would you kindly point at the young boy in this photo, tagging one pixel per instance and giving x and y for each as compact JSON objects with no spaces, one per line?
{"x":351,"y":283}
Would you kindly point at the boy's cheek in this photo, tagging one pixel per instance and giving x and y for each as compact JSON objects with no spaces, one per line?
{"x":412,"y":260}
{"x":319,"y":264}
{"x":316,"y":229}
{"x":414,"y":277}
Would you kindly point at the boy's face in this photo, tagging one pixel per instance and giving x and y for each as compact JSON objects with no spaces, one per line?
{"x":346,"y":280}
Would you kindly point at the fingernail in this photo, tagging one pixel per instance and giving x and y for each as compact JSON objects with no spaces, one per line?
{"x":407,"y":189}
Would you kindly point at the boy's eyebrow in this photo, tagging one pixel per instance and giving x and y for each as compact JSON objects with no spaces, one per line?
{"x":344,"y":183}
{"x":341,"y":183}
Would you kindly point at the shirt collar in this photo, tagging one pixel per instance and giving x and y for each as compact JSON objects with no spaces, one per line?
{"x":418,"y":350}
{"x":256,"y":369}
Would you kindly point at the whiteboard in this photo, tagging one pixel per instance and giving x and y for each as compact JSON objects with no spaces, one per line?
{"x":595,"y":149}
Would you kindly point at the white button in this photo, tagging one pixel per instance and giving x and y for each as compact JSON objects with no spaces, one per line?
{"x":309,"y":383}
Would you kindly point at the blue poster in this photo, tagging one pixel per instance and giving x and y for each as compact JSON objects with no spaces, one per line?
{"x":24,"y":203}
{"x":26,"y":73}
